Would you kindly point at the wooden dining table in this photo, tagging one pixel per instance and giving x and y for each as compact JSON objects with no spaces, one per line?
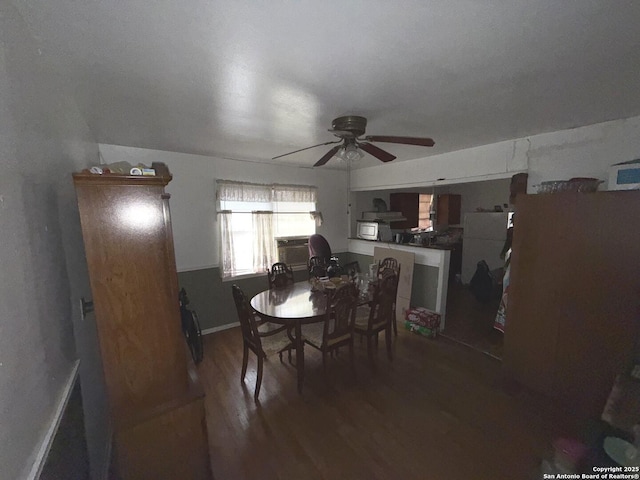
{"x":292,"y":305}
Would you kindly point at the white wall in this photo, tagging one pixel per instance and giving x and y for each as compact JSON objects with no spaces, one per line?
{"x":487,"y":162}
{"x":43,"y":138}
{"x":581,"y":152}
{"x":192,"y":189}
{"x":481,"y":194}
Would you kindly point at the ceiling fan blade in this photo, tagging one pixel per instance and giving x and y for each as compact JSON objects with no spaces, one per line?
{"x":376,"y":152}
{"x":307,"y":148}
{"x":424,"y":142}
{"x":328,"y":156}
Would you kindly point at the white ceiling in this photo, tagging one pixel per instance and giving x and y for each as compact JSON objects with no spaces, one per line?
{"x":255,"y":79}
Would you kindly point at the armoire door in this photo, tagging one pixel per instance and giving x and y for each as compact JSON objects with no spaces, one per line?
{"x":127,"y":236}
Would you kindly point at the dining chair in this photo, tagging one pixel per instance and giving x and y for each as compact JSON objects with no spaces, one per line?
{"x":319,"y":247}
{"x":387,"y":263}
{"x":263,"y":340}
{"x":378,"y":315}
{"x":386,"y":266}
{"x":280,"y":275}
{"x":351,"y":269}
{"x":338,"y":326}
{"x":317,"y":266}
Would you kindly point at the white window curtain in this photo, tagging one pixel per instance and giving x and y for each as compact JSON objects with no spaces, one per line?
{"x":227,"y":252}
{"x":252,"y":216}
{"x":264,"y":242}
{"x":295,"y":193}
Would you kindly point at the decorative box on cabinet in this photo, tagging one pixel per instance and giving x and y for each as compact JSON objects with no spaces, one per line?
{"x":154,"y":399}
{"x":448,"y":209}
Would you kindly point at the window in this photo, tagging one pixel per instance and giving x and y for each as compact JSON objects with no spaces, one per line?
{"x":424,"y":209}
{"x":252,"y":216}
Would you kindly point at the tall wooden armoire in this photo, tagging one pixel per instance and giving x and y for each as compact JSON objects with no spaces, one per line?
{"x":573,"y":310}
{"x":155,"y":399}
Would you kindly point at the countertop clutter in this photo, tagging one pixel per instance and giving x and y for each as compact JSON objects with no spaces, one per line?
{"x":443,"y":246}
{"x":444,"y":240}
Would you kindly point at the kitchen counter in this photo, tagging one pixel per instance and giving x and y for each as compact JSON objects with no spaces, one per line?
{"x":390,"y":244}
{"x":429,"y":256}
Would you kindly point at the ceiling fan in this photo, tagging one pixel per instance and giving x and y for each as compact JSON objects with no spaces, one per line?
{"x":350,"y":130}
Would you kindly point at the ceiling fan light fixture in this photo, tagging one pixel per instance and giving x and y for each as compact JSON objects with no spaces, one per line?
{"x":350,"y":153}
{"x":351,"y":144}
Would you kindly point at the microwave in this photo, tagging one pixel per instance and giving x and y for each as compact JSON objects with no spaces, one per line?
{"x":374,"y":231}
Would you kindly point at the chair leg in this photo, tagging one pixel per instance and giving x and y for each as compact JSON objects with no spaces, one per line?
{"x":395,"y":325}
{"x":370,"y":347}
{"x":387,"y":338}
{"x":259,"y":378}
{"x":324,"y":360}
{"x":245,"y":360}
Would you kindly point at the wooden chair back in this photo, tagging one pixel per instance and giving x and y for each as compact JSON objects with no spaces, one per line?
{"x":280,"y":275}
{"x":351,"y":269}
{"x":247,"y":319}
{"x":383,"y":303}
{"x":317,"y":266}
{"x":341,"y":315}
{"x":388,"y":263}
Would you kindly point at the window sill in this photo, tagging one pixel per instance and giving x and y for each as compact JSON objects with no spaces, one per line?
{"x":295,"y":268}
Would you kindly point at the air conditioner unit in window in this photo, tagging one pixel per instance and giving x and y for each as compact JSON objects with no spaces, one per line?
{"x":293,"y":250}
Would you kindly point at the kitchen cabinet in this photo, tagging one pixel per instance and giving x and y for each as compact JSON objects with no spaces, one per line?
{"x":448,"y":209}
{"x":155,"y":400}
{"x":573,"y":310}
{"x":407,"y":203}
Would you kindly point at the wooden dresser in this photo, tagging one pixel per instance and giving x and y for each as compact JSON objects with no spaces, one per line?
{"x":155,"y":399}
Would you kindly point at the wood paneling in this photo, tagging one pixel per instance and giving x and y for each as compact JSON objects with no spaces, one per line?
{"x":574,"y":300}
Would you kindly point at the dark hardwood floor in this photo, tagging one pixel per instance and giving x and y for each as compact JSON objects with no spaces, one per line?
{"x":471,"y":322}
{"x":438,"y":411}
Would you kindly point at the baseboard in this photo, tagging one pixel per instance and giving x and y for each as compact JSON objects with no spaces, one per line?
{"x":47,"y":439}
{"x":227,"y":326}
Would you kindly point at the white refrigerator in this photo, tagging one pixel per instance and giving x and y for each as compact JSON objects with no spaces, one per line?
{"x":483,"y":239}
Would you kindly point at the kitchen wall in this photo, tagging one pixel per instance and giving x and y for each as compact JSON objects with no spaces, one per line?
{"x":195,"y":225}
{"x":43,"y":138}
{"x":580,"y":152}
{"x":485,"y":195}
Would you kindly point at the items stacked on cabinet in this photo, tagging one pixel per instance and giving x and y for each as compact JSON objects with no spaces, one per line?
{"x":155,"y":400}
